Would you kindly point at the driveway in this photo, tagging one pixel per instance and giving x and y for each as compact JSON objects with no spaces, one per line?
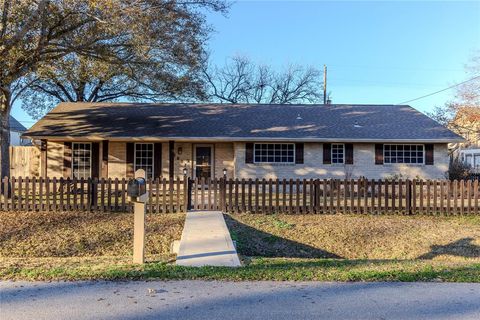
{"x":238,"y":300}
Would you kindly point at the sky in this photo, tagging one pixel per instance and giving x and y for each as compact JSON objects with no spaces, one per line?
{"x":379,"y":52}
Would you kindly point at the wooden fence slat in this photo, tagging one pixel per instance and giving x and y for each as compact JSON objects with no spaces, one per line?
{"x":5,"y":193}
{"x":27,"y":194}
{"x":256,"y":196}
{"x":313,"y":196}
{"x":270,"y":197}
{"x":476,"y":196}
{"x":171,"y":190}
{"x":237,"y":205}
{"x":230,"y":195}
{"x":379,"y":196}
{"x":157,"y":195}
{"x":34,"y":194}
{"x":442,"y":198}
{"x":123,"y":184}
{"x":20,"y":193}
{"x":304,"y":196}
{"x":373,"y":196}
{"x":61,"y":187}
{"x":164,"y":195}
{"x":150,"y":189}
{"x":297,"y":196}
{"x":178,"y":207}
{"x":263,"y":195}
{"x":277,"y":196}
{"x":215,"y":196}
{"x":365,"y":196}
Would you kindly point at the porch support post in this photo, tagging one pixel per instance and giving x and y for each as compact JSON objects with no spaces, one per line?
{"x":171,"y":158}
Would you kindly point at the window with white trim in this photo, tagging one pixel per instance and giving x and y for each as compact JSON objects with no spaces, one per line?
{"x":404,"y":153}
{"x":338,"y":153}
{"x":81,"y":160}
{"x":144,"y":158}
{"x":274,"y":153}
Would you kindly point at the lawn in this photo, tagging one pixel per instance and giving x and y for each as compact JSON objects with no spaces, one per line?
{"x":392,"y":237}
{"x":34,"y":235}
{"x":48,"y":246}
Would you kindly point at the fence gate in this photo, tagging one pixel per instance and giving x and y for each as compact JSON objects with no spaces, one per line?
{"x":206,"y":194}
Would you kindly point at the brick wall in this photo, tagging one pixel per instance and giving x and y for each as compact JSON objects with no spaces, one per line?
{"x":232,"y":157}
{"x":364,"y":165}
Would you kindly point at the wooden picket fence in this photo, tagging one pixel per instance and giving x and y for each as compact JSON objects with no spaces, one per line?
{"x":104,"y":195}
{"x":314,"y":196}
{"x":330,"y":196}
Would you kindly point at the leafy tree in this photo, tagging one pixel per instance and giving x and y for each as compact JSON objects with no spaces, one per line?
{"x":242,"y":81}
{"x":41,"y":41}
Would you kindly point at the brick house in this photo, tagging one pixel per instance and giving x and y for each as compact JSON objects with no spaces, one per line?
{"x":248,"y":141}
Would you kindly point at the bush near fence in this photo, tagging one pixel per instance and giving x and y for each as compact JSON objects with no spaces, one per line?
{"x":316,"y":196}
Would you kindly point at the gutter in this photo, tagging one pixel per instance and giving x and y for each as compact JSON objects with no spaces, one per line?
{"x":237,"y":139}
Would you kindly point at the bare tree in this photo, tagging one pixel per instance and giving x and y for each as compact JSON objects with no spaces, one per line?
{"x":465,"y":104}
{"x":242,"y":81}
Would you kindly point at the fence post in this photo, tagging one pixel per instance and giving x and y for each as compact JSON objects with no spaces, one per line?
{"x":187,"y":193}
{"x":224,"y":194}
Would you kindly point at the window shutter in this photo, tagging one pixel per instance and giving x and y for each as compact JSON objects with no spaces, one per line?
{"x":378,"y":153}
{"x":95,"y":159}
{"x":299,"y":153}
{"x":348,"y":153}
{"x":171,"y":158}
{"x":249,"y":153}
{"x":105,"y":158}
{"x":429,"y":154}
{"x":327,"y":153}
{"x":130,"y":159}
{"x":157,"y":160}
{"x":67,"y":159}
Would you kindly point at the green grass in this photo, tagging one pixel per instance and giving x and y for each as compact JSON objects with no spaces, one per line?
{"x":85,"y":246}
{"x":279,"y":269}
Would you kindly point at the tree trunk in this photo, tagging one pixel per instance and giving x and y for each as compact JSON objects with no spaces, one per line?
{"x":5,"y":133}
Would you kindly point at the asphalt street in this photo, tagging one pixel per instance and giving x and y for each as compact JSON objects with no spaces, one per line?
{"x":238,"y":300}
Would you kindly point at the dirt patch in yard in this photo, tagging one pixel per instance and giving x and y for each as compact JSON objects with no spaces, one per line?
{"x":83,"y":234}
{"x":357,"y":237}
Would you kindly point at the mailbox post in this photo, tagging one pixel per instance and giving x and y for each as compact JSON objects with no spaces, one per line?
{"x":137,"y":192}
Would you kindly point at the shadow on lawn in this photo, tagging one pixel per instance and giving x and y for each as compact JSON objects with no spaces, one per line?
{"x":253,"y":242}
{"x":460,"y":248}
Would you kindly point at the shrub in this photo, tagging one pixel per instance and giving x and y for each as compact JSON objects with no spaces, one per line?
{"x":458,"y":170}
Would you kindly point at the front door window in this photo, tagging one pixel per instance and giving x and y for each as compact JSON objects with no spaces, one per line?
{"x":203,"y":160}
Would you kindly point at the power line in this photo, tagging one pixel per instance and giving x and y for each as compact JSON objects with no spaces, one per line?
{"x":433,"y":93}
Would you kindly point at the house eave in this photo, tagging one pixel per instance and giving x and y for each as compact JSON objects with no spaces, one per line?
{"x":237,"y":139}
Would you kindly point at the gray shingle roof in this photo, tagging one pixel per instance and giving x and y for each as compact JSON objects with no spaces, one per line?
{"x":246,"y":122}
{"x":16,"y":126}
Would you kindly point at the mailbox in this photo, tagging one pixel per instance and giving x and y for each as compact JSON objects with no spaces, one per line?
{"x":136,"y":187}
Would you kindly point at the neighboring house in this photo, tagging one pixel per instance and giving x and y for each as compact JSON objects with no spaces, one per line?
{"x":248,"y":141}
{"x":16,"y":131}
{"x":467,"y":124}
{"x":472,"y":158}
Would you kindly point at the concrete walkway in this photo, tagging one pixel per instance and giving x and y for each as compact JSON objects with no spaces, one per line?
{"x":206,"y":241}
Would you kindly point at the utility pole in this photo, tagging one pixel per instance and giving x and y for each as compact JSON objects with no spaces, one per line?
{"x":324,"y":84}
